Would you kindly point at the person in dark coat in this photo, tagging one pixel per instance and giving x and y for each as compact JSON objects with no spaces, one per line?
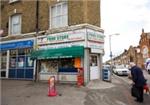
{"x":138,"y":80}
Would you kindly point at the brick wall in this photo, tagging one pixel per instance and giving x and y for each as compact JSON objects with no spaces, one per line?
{"x":79,"y":12}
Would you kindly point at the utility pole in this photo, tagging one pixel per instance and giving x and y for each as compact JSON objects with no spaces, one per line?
{"x":111,"y":60}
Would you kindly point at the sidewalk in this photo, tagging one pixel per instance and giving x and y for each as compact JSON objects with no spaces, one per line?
{"x":15,"y":92}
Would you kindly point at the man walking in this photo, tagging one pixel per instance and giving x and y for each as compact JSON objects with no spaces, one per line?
{"x":138,"y":80}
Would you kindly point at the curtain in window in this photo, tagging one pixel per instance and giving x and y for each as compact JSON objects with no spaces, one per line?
{"x":16,"y":24}
{"x":59,"y":15}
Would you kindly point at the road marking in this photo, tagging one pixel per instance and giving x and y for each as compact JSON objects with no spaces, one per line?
{"x":120,"y":102}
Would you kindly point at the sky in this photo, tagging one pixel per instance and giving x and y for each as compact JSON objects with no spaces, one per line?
{"x":126,"y":17}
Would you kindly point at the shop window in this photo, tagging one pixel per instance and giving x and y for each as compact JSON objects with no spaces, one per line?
{"x":3,"y":60}
{"x":13,"y":52}
{"x":19,"y":58}
{"x":93,"y":60}
{"x":21,"y":61}
{"x":29,"y":62}
{"x":3,"y":63}
{"x":13,"y":55}
{"x":67,"y":63}
{"x":49,"y":66}
{"x":59,"y":15}
{"x":28,"y":50}
{"x":21,"y":51}
{"x":13,"y":62}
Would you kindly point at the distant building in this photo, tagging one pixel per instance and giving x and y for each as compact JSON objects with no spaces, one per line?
{"x":138,"y":54}
{"x":144,"y":46}
{"x":62,"y":35}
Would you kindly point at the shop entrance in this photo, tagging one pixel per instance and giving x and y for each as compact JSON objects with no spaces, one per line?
{"x":94,"y":71}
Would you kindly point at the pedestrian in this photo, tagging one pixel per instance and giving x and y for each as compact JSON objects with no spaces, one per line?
{"x":138,"y":81}
{"x":146,"y":88}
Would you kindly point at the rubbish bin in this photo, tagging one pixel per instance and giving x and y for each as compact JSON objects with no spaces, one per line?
{"x":106,"y":74}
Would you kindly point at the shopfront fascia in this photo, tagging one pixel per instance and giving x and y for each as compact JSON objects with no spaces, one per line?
{"x":15,"y":59}
{"x":60,"y":54}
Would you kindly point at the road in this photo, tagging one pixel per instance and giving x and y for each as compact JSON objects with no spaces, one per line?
{"x":128,"y":81}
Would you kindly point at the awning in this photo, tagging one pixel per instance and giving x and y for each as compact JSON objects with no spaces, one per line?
{"x":68,"y":52}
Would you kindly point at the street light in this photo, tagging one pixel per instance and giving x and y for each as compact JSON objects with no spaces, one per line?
{"x":110,"y":47}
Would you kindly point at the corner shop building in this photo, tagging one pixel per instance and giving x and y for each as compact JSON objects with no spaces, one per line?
{"x":60,"y":54}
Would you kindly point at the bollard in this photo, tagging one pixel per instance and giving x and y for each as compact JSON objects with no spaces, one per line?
{"x":80,"y":77}
{"x":51,"y":87}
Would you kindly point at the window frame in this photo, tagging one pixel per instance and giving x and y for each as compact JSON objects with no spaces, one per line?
{"x":12,"y":1}
{"x":10,"y":24}
{"x":61,"y":15}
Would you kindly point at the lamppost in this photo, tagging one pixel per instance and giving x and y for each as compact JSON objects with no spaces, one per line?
{"x":110,"y":48}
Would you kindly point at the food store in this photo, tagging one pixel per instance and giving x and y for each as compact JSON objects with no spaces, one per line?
{"x":63,"y":54}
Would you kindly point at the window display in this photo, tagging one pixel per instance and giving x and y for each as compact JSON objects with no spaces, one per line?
{"x":67,"y":63}
{"x":21,"y":61}
{"x":50,"y":66}
{"x":21,"y":52}
{"x":13,"y":52}
{"x":13,"y":62}
{"x":3,"y":63}
{"x":29,"y":62}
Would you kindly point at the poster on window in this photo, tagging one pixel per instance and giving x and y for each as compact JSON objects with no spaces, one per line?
{"x":29,"y":62}
{"x":13,"y":62}
{"x":21,"y":62}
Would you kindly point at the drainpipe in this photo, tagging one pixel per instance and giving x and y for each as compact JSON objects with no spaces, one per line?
{"x":36,"y":35}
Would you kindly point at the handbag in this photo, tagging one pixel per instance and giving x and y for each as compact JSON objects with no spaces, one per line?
{"x":135,"y":91}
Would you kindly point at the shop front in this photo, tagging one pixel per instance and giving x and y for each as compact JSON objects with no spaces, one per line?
{"x":15,"y":59}
{"x":59,"y":62}
{"x":63,"y":54}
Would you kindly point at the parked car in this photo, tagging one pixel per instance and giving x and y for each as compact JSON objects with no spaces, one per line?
{"x":121,"y":70}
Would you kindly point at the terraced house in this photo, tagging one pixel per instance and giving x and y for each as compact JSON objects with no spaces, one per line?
{"x":43,"y":38}
{"x":139,"y":55}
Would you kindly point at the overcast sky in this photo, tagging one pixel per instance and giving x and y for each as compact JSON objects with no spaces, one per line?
{"x":126,"y":17}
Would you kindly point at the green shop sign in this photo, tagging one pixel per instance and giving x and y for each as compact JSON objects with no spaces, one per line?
{"x":95,"y":36}
{"x":62,"y":37}
{"x":58,"y":38}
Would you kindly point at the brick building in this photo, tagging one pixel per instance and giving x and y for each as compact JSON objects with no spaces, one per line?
{"x":47,"y":26}
{"x":144,"y":47}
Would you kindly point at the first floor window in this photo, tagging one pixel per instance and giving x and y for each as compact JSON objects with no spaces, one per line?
{"x":59,"y":15}
{"x":15,"y":24}
{"x":13,"y":1}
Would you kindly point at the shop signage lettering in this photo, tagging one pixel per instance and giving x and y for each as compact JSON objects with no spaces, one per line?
{"x":17,"y":44}
{"x":95,"y":36}
{"x":57,"y":38}
{"x":96,"y":47}
{"x":62,"y":37}
{"x":62,"y":45}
